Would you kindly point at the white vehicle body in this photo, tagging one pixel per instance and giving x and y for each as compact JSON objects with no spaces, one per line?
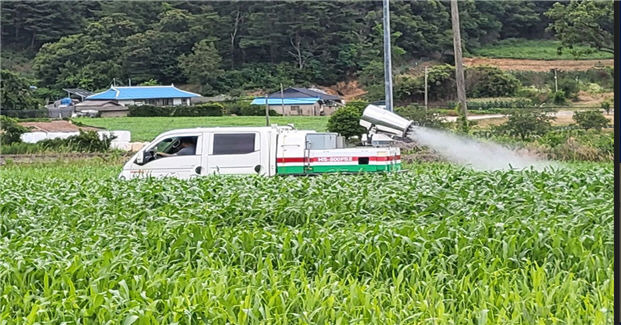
{"x":266,"y":151}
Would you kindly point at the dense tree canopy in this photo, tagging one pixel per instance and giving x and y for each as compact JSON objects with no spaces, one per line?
{"x":15,"y":92}
{"x":247,"y":45}
{"x":584,"y":23}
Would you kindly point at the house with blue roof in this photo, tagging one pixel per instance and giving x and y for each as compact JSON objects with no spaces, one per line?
{"x":301,"y":101}
{"x":143,"y":95}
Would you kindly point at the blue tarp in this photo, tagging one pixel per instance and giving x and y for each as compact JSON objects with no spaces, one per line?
{"x":142,"y":92}
{"x":285,"y":101}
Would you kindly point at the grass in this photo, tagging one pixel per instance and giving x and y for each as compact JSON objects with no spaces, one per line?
{"x":441,"y":244}
{"x":532,"y":49}
{"x":147,"y":128}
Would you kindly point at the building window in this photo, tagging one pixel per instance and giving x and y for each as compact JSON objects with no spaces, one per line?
{"x":233,"y":144}
{"x":296,"y":109}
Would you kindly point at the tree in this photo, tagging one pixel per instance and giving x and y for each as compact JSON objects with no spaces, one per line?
{"x":346,"y":121}
{"x":591,"y":120}
{"x":16,"y":93}
{"x":11,"y":130}
{"x":582,"y":22}
{"x":202,"y":66}
{"x":525,"y":124}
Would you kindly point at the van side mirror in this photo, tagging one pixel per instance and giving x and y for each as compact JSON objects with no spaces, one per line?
{"x":140,"y":158}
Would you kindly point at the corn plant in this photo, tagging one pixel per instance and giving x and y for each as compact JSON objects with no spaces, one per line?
{"x":437,"y":245}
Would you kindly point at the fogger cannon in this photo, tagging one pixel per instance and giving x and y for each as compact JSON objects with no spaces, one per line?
{"x":384,"y":127}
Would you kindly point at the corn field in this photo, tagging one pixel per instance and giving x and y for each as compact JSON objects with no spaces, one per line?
{"x":436,"y":245}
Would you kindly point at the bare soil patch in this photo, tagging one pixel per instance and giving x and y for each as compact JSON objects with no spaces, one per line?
{"x":56,"y":126}
{"x":540,"y":65}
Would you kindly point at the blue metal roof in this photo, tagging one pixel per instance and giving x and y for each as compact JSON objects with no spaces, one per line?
{"x":142,"y":92}
{"x":285,"y":101}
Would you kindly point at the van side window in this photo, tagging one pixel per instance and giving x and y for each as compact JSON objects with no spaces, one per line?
{"x":233,"y":144}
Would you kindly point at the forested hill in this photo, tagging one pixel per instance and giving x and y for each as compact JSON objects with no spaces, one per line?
{"x":228,"y":47}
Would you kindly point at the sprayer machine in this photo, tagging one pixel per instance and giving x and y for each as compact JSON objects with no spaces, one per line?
{"x":270,"y":151}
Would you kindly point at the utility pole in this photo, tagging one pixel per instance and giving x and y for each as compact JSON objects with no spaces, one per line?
{"x":555,"y":82}
{"x":387,"y":58}
{"x":282,"y":100}
{"x":459,"y":68}
{"x":426,"y":107}
{"x":267,"y":112}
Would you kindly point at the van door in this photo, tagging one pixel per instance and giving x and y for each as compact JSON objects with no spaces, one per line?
{"x":235,"y":153}
{"x":175,"y":156}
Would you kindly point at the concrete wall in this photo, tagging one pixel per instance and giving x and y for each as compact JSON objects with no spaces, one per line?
{"x":122,"y":141}
{"x":60,"y":112}
{"x":113,"y":113}
{"x":303,"y":110}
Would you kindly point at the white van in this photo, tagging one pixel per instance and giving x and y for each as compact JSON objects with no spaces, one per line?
{"x":268,"y":151}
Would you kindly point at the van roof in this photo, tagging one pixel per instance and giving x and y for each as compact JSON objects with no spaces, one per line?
{"x":232,"y":129}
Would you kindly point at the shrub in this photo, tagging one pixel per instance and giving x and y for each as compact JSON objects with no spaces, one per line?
{"x":358,"y":104}
{"x":234,"y":107}
{"x":86,"y":141}
{"x":11,"y":131}
{"x":559,"y":97}
{"x":487,"y":81}
{"x":207,"y":109}
{"x":420,"y":116}
{"x":256,"y":110}
{"x":525,"y":124}
{"x":491,"y":103}
{"x":346,"y":121}
{"x":569,"y":86}
{"x":606,"y":106}
{"x":535,"y":95}
{"x":590,"y":120}
{"x":578,"y":144}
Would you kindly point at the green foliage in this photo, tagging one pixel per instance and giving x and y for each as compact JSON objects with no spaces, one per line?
{"x":582,"y":22}
{"x":591,"y":119}
{"x":525,"y":124}
{"x":481,"y":81}
{"x":570,"y":87}
{"x":495,"y":103}
{"x":420,"y":116}
{"x":86,"y":141}
{"x":523,"y":245}
{"x":16,"y":93}
{"x":87,"y":44}
{"x":150,"y":82}
{"x":360,"y":105}
{"x":536,"y":49}
{"x":487,"y":81}
{"x":577,"y":145}
{"x":559,"y":97}
{"x":11,"y":131}
{"x":606,"y":106}
{"x":256,"y":110}
{"x":207,"y":109}
{"x":202,"y":66}
{"x":602,"y":76}
{"x":346,"y":122}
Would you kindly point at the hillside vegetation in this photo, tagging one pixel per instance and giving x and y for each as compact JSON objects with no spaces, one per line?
{"x":231,"y":47}
{"x":534,"y":50}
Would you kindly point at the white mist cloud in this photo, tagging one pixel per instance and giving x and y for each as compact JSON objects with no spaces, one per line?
{"x":476,"y":154}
